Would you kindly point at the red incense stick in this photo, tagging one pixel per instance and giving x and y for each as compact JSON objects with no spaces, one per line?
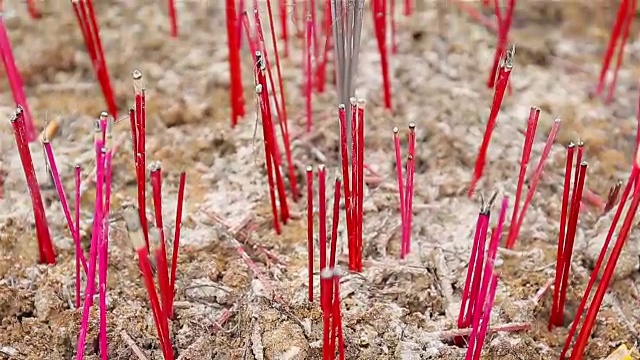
{"x":628,"y":20}
{"x":176,"y":238}
{"x":568,"y":244}
{"x":45,"y":245}
{"x":342,"y":116}
{"x":532,"y":125}
{"x":621,"y":17}
{"x":335,"y":221}
{"x":310,"y":229}
{"x":136,"y":238}
{"x":322,"y":221}
{"x":561,"y":235}
{"x":379,"y":19}
{"x":234,"y":63}
{"x":504,"y":24}
{"x":594,"y":308}
{"x":600,"y":261}
{"x":308,"y":72}
{"x":173,"y":18}
{"x":326,"y":280}
{"x":503,"y":79}
{"x":534,"y":182}
{"x":283,"y":24}
{"x":141,"y":175}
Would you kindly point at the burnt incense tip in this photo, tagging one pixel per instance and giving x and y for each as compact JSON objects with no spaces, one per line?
{"x":508,"y":58}
{"x":103,"y":150}
{"x":353,"y":101}
{"x":571,"y":145}
{"x":326,"y":273}
{"x":580,"y":143}
{"x":104,"y":115}
{"x":321,"y":168}
{"x":77,"y":166}
{"x":309,"y":168}
{"x":557,"y":121}
{"x":137,"y":75}
{"x":17,"y":114}
{"x":341,"y":107}
{"x":259,"y":89}
{"x":412,"y":126}
{"x":395,"y":130}
{"x":584,"y":164}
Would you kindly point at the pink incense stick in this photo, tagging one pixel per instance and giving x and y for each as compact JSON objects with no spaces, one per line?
{"x":62,"y":196}
{"x":411,"y":167}
{"x":475,"y":266}
{"x":310,"y":229}
{"x":76,"y":235}
{"x":482,"y":300}
{"x":15,"y":81}
{"x":396,"y":143}
{"x":102,"y":256}
{"x":95,"y":241}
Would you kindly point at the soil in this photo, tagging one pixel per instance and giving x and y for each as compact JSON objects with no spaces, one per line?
{"x":393,"y":309}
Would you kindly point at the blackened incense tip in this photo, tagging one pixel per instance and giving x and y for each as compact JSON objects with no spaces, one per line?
{"x":395,"y":131}
{"x":557,"y":121}
{"x":17,"y":114}
{"x":326,"y":273}
{"x":341,"y":107}
{"x":104,"y":115}
{"x":259,"y":89}
{"x":580,"y":143}
{"x":103,"y":150}
{"x":571,"y":145}
{"x":412,"y":126}
{"x":353,"y":101}
{"x":584,"y":164}
{"x":321,"y":168}
{"x":77,"y":166}
{"x":309,"y":168}
{"x":509,"y":55}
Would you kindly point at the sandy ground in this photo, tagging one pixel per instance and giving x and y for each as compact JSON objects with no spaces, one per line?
{"x":392,"y":310}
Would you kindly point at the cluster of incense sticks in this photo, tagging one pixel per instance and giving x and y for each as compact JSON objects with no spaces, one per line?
{"x":160,"y":317}
{"x":45,"y":245}
{"x":354,"y":184}
{"x":501,"y":84}
{"x":379,"y":11}
{"x":85,"y":14}
{"x":481,"y":282}
{"x":622,"y":26}
{"x":517,"y":217}
{"x":571,"y":199}
{"x":331,"y":314}
{"x":322,"y":224}
{"x":271,"y":149}
{"x":405,"y":191}
{"x":504,"y":24}
{"x":99,"y":251}
{"x":258,"y":44}
{"x":610,"y":265}
{"x":347,"y":17}
{"x":15,"y":82}
{"x":173,"y":17}
{"x":233,"y":41}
